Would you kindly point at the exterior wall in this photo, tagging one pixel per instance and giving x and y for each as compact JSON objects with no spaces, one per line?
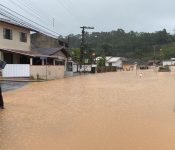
{"x":115,"y":64}
{"x":15,"y":42}
{"x":172,"y":68}
{"x":128,"y":67}
{"x":61,"y":55}
{"x":47,"y":72}
{"x":39,"y":41}
{"x":16,"y":71}
{"x":168,"y":63}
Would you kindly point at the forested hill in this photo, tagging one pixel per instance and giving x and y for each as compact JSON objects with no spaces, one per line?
{"x":128,"y":44}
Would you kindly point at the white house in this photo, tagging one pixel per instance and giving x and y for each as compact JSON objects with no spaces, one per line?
{"x":114,"y":61}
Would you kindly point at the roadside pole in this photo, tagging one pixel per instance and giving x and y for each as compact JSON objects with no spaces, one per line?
{"x":2,"y":66}
{"x":46,"y":69}
{"x":1,"y":99}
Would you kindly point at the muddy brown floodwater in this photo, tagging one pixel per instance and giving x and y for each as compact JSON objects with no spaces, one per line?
{"x":110,"y":111}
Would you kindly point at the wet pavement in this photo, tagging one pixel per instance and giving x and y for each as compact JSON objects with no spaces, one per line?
{"x":11,"y":85}
{"x":110,"y":111}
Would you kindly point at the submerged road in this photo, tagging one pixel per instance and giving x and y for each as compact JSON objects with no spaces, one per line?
{"x":110,"y":111}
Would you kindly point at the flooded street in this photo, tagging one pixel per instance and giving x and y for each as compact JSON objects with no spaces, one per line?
{"x":110,"y":111}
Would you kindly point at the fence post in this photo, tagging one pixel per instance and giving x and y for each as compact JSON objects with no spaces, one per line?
{"x":1,"y":99}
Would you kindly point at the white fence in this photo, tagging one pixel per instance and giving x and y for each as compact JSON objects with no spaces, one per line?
{"x":86,"y":68}
{"x":16,"y":70}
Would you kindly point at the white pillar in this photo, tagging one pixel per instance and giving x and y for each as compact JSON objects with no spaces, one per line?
{"x":1,"y":56}
{"x":54,"y":63}
{"x":42,"y":62}
{"x":31,"y":61}
{"x":65,"y":65}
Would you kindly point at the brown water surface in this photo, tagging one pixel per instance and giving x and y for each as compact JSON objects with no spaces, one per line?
{"x":110,"y":111}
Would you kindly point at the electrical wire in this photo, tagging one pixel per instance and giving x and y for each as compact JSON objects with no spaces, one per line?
{"x":24,"y":22}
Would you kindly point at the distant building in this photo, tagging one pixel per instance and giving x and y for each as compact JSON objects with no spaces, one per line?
{"x":169,"y":62}
{"x":39,"y":40}
{"x":129,"y":65}
{"x":115,"y":62}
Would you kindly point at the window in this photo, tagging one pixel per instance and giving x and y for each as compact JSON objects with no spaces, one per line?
{"x":7,"y":34}
{"x":23,"y":37}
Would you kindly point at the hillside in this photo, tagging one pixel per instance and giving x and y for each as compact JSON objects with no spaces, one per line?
{"x":131,"y":44}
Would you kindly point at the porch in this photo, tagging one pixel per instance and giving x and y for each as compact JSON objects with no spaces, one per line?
{"x":32,"y":65}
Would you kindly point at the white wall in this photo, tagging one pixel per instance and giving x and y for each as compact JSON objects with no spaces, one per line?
{"x":116,"y":64}
{"x":168,"y":63}
{"x":16,"y":71}
{"x":15,"y":42}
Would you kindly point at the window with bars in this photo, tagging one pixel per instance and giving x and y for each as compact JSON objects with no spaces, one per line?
{"x":23,"y":37}
{"x":7,"y":33}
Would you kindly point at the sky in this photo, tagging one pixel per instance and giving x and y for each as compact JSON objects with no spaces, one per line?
{"x":103,"y":15}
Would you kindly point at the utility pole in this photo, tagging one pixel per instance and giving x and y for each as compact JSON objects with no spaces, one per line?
{"x":82,"y":47}
{"x":154,"y":55}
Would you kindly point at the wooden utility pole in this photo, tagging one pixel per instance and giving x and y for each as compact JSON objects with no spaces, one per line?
{"x":82,"y":47}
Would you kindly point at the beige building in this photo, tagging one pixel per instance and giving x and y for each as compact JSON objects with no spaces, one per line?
{"x":14,"y":37}
{"x":15,"y":50}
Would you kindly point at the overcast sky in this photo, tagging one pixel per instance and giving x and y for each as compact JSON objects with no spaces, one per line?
{"x":104,"y":15}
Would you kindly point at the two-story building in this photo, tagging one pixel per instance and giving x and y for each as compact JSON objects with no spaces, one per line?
{"x":22,"y":61}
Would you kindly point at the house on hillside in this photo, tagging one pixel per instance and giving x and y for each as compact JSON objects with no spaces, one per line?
{"x":115,"y":62}
{"x":22,"y":61}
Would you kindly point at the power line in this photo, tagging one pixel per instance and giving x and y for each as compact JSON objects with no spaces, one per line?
{"x":23,"y":23}
{"x":30,"y":9}
{"x":26,"y":19}
{"x":16,"y":3}
{"x":51,"y":20}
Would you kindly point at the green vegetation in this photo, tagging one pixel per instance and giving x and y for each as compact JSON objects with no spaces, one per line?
{"x":129,"y":44}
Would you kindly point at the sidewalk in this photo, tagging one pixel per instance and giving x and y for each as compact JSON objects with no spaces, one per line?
{"x":20,"y":80}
